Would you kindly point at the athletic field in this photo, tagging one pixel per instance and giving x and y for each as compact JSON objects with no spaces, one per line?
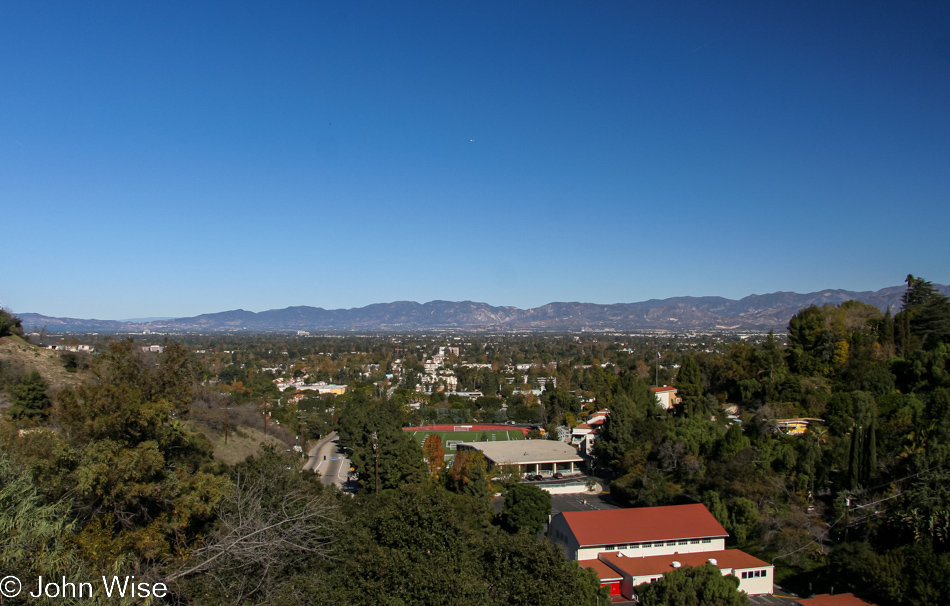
{"x":452,"y":437}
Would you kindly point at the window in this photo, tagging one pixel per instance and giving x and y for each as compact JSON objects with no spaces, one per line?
{"x":745,"y":575}
{"x":634,"y":546}
{"x":694,"y":542}
{"x":611,"y":547}
{"x":707,"y":540}
{"x":684,"y":542}
{"x":671,"y":543}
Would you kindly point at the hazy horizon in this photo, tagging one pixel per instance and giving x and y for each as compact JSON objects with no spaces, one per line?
{"x":230,"y":309}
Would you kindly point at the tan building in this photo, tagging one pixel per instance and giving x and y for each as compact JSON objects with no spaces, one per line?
{"x":540,"y":457}
{"x":666,"y":397}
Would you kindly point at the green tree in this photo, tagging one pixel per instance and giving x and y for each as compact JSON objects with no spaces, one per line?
{"x":397,"y":455}
{"x":468,"y":475}
{"x":689,"y":383}
{"x":692,"y":586}
{"x":34,"y":533}
{"x":10,"y":324}
{"x":924,"y":320}
{"x":135,"y":472}
{"x":526,"y":507}
{"x":29,"y":398}
{"x":810,"y":342}
{"x":733,"y":441}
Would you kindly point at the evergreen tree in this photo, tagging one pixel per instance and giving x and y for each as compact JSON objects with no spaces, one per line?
{"x":869,"y":466}
{"x":29,"y":398}
{"x":526,"y":507}
{"x":854,"y":465}
{"x":692,"y":586}
{"x":689,"y":383}
{"x":10,"y":324}
{"x":925,"y":318}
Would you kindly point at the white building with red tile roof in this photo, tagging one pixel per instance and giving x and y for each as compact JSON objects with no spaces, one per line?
{"x":640,"y":531}
{"x":641,"y":544}
{"x":755,"y":576}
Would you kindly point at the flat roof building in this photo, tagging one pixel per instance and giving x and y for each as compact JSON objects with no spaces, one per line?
{"x":542,"y":457}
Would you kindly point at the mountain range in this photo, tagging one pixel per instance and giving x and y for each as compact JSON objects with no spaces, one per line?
{"x":755,"y":312}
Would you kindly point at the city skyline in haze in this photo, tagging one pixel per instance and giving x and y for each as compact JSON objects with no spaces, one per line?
{"x":172,"y":160}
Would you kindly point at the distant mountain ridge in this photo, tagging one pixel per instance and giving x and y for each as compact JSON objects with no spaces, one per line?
{"x":755,"y":312}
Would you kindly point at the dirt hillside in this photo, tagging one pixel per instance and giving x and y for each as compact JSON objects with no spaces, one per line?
{"x":19,"y":355}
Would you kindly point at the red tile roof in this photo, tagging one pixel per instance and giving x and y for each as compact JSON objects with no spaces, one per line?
{"x":842,"y":599}
{"x":604,"y":572}
{"x":653,"y":565}
{"x":664,"y":388}
{"x":639,"y":524}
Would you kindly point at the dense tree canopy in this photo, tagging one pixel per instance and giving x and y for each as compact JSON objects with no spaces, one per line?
{"x":527,"y":507}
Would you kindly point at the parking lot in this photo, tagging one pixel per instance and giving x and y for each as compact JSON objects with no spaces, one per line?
{"x":580,"y":502}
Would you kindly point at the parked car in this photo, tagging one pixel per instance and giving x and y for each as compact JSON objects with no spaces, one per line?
{"x":557,"y":475}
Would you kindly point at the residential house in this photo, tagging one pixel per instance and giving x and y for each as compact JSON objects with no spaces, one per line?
{"x":666,"y":397}
{"x":796,"y":426}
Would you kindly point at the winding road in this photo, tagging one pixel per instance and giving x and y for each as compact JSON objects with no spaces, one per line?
{"x":329,"y":460}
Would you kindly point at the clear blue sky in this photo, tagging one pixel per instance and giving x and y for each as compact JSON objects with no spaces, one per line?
{"x":176,"y":158}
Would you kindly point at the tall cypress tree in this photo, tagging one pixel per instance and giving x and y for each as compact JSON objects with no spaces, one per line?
{"x":886,"y":334}
{"x":854,"y":467}
{"x":870,"y":454}
{"x":689,"y":383}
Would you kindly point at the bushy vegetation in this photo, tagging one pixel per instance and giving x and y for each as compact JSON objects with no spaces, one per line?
{"x":10,"y":324}
{"x":117,"y":476}
{"x":107,"y":478}
{"x":860,"y":501}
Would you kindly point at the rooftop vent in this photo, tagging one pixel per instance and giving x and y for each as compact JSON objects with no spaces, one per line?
{"x":676,"y":564}
{"x":713,"y":561}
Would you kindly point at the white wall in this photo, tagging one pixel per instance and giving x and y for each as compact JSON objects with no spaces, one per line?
{"x":590,"y":553}
{"x":756,"y":585}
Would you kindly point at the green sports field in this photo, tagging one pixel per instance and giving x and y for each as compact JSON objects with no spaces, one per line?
{"x":450,"y":438}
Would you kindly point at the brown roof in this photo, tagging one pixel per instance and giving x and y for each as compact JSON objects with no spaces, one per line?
{"x":604,"y":572}
{"x":653,"y":565}
{"x":842,"y":599}
{"x":664,"y":388}
{"x":639,"y":524}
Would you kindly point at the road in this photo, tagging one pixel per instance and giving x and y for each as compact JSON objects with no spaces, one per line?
{"x":328,"y":459}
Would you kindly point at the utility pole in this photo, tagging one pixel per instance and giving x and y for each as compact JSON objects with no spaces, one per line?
{"x":376,"y":459}
{"x":265,"y":417}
